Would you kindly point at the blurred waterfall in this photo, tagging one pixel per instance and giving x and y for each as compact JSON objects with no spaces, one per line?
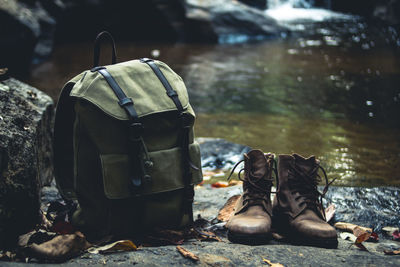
{"x":303,"y":10}
{"x":292,"y":3}
{"x":300,"y":3}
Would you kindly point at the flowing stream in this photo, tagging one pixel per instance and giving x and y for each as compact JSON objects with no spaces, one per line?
{"x":330,"y":89}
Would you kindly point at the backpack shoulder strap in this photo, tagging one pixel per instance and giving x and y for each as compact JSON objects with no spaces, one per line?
{"x":63,"y":141}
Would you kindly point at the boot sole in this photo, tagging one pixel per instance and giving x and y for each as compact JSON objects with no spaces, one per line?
{"x":307,"y":241}
{"x":314,"y":242}
{"x":294,"y":238}
{"x":259,"y":239}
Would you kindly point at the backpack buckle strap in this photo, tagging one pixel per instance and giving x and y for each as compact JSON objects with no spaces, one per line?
{"x":136,"y":130}
{"x":168,"y":88}
{"x":125,"y":101}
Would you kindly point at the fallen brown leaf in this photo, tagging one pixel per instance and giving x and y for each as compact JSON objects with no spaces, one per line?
{"x":361,"y":246}
{"x":396,"y":235}
{"x":37,"y":236}
{"x":349,"y":227}
{"x":187,"y":254}
{"x":7,"y":256}
{"x":207,"y":236}
{"x":390,"y":230}
{"x":225,"y":213}
{"x":46,"y":224}
{"x":362,"y":235}
{"x":391,"y":252}
{"x":62,"y":227}
{"x":60,"y":248}
{"x":220,"y":184}
{"x":348,"y":236}
{"x":272,"y":264}
{"x":278,"y":236}
{"x":121,"y":245}
{"x":330,"y":212}
{"x":374,"y":237}
{"x":234,"y":182}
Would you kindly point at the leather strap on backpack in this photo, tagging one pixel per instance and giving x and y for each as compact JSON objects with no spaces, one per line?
{"x":137,"y":148}
{"x":185,"y":126}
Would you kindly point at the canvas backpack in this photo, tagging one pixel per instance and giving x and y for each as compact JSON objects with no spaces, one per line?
{"x":124,"y":146}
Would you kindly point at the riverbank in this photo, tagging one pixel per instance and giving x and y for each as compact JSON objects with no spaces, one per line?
{"x":207,"y":203}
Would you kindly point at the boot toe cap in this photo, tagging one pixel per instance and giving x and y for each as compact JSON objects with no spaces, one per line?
{"x":316,"y":230}
{"x":250,"y":225}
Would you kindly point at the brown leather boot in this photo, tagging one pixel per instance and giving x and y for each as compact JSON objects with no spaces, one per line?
{"x":297,"y":206}
{"x":251,"y":222}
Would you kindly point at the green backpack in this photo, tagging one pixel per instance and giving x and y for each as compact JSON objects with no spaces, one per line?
{"x":124,"y":147}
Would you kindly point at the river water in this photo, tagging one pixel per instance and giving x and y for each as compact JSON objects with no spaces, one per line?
{"x":331,"y":89}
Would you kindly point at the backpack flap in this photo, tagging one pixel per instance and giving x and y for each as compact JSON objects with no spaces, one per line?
{"x":139,"y":83}
{"x":166,"y":173}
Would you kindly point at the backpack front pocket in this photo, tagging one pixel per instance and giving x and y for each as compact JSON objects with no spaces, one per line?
{"x":166,"y":173}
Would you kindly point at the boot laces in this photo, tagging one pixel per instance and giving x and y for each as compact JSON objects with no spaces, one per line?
{"x":306,"y":183}
{"x":256,"y":189}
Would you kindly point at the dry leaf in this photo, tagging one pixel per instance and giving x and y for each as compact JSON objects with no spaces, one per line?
{"x":365,"y":235}
{"x":225,"y":213}
{"x":187,"y":254}
{"x":46,"y":224}
{"x":330,"y":212}
{"x":278,"y":236}
{"x":391,"y":252}
{"x":220,"y":184}
{"x":374,"y":237}
{"x":7,"y":256}
{"x":390,"y":230}
{"x":40,"y":236}
{"x":122,"y":245}
{"x":63,"y":227}
{"x":396,"y":235}
{"x":272,"y":264}
{"x":361,"y":246}
{"x":349,"y":227}
{"x":207,"y":236}
{"x":348,"y":236}
{"x":362,"y":235}
{"x":235,"y":182}
{"x":60,"y":248}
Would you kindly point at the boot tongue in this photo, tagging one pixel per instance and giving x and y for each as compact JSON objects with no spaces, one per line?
{"x":257,"y":162}
{"x":306,"y":164}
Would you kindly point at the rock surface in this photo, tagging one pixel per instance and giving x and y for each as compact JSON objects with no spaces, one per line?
{"x":29,"y":32}
{"x":218,"y":153}
{"x":207,"y":203}
{"x":26,"y":116}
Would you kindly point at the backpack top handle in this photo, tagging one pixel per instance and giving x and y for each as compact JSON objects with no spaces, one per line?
{"x":97,"y":43}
